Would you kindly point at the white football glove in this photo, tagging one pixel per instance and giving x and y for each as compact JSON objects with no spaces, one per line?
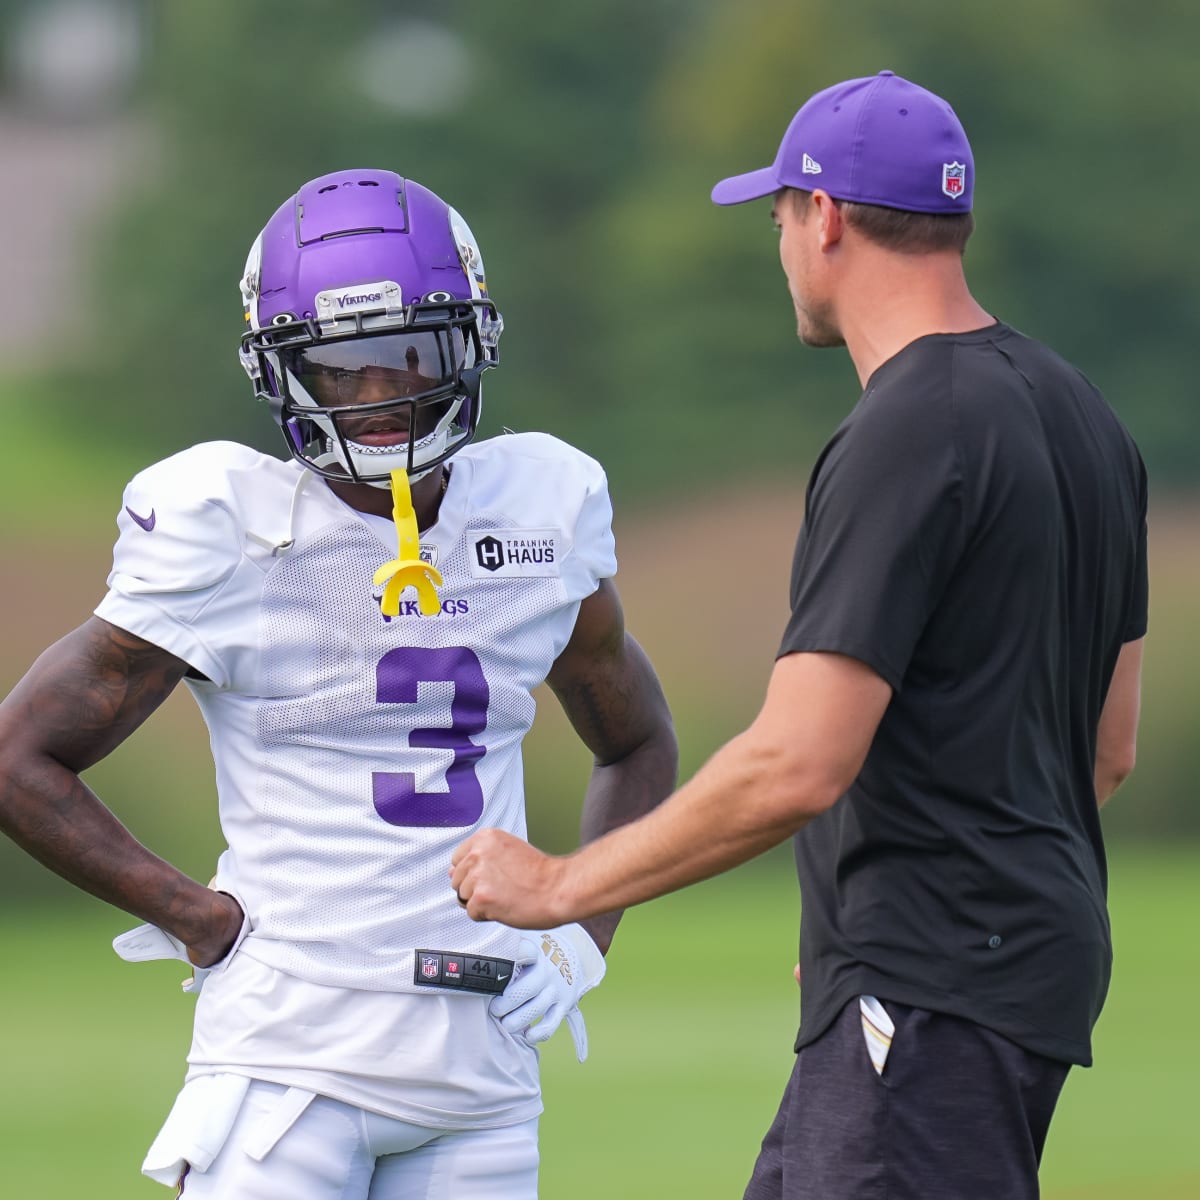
{"x":149,"y":942}
{"x":554,"y":971}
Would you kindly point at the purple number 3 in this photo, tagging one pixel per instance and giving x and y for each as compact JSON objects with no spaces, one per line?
{"x":396,"y":797}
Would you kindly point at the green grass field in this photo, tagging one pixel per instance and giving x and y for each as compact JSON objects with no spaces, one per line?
{"x":690,"y":1049}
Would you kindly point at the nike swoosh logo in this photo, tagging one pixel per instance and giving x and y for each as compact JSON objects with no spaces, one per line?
{"x":147,"y":523}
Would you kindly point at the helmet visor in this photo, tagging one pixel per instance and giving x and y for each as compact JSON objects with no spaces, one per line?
{"x":397,"y":386}
{"x":368,"y":370}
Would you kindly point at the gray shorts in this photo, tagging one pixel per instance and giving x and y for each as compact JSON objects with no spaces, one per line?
{"x":959,"y":1112}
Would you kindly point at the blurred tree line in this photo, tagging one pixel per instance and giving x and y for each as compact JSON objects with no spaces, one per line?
{"x":581,"y":143}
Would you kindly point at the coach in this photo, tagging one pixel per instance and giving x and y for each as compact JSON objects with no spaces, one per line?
{"x":956,"y":693}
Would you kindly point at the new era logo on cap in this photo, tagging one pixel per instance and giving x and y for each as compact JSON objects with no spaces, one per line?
{"x":811,"y":166}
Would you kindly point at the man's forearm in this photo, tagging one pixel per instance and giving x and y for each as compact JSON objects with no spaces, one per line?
{"x":742,"y":802}
{"x":736,"y":807}
{"x":803,"y":751}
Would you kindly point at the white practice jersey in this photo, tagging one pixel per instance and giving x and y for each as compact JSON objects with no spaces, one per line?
{"x":353,"y":751}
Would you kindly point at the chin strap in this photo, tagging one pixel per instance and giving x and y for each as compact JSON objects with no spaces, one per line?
{"x":407,"y":569}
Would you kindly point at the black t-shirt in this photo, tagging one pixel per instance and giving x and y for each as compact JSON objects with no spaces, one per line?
{"x":975,"y":533}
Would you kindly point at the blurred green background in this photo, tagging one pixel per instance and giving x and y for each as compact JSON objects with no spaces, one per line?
{"x":144,"y":145}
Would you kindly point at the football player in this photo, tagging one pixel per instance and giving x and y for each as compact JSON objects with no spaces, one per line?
{"x":362,"y":625}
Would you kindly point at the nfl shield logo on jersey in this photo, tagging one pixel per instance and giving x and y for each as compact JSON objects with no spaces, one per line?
{"x":954,"y":179}
{"x":430,"y":966}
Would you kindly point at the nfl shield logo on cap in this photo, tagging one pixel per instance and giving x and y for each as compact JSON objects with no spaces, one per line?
{"x":954,"y":179}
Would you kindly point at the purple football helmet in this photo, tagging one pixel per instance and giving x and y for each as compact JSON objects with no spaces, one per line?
{"x":370,"y":326}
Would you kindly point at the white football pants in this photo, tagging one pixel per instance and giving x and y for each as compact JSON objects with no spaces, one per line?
{"x":334,"y":1151}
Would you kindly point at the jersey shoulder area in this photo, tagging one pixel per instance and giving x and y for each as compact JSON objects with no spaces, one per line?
{"x":213,"y":471}
{"x":184,"y":520}
{"x":538,"y":450}
{"x":536,"y":482}
{"x":532,"y":472}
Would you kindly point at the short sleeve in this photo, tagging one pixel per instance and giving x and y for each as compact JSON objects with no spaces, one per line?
{"x":882,"y":531}
{"x":592,"y":555}
{"x":176,"y":549}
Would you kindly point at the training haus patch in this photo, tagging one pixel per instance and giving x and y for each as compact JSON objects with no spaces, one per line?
{"x":506,"y":553}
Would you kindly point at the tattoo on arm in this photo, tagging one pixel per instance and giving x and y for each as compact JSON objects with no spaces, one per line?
{"x":99,"y":684}
{"x":84,"y":696}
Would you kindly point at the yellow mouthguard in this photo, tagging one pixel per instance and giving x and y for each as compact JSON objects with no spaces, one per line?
{"x":407,"y":570}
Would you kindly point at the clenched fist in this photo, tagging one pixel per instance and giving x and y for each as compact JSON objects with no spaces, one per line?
{"x":499,"y":877}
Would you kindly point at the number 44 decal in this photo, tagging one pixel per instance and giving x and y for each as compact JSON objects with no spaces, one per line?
{"x":397,"y":678}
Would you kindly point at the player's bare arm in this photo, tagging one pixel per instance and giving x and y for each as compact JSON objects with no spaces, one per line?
{"x":798,"y":757}
{"x":83,"y":697}
{"x":1116,"y":736}
{"x":612,"y":697}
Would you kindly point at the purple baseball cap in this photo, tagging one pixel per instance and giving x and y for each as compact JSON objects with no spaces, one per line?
{"x":879,"y":140}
